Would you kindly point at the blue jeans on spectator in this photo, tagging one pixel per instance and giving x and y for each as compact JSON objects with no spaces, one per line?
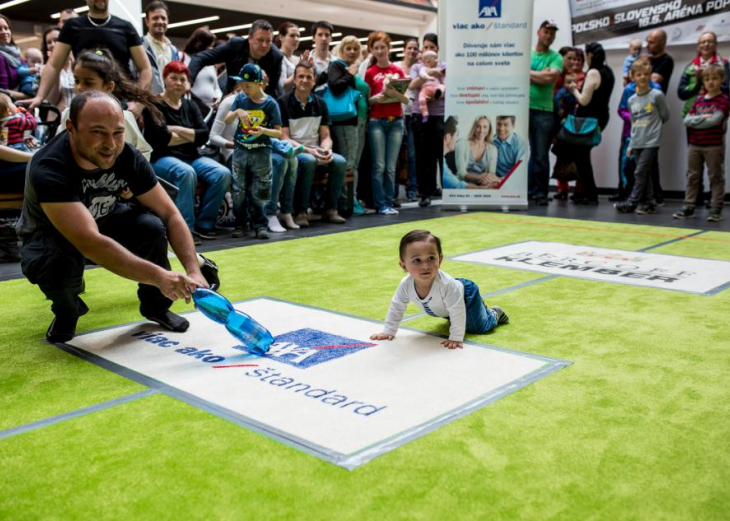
{"x":345,"y":141}
{"x":283,"y":182}
{"x":185,"y":177}
{"x":479,"y":319}
{"x":386,"y":135}
{"x":251,"y":174}
{"x":542,"y":125}
{"x":20,"y":146}
{"x":335,"y":177}
{"x":411,"y":189}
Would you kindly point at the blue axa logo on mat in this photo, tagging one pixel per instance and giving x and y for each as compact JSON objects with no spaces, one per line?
{"x":307,"y":347}
{"x":490,"y":8}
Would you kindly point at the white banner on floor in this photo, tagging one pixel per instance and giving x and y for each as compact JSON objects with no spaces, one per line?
{"x":487,"y":51}
{"x":324,"y":387}
{"x":653,"y":270}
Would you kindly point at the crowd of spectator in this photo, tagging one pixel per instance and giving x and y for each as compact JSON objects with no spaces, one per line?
{"x":179,"y":105}
{"x":274,"y":140}
{"x":564,"y":95}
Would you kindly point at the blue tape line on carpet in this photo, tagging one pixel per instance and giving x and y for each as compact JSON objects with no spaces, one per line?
{"x":21,"y":429}
{"x":672,"y":241}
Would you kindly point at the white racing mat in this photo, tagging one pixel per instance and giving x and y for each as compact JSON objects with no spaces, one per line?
{"x":324,"y":387}
{"x":652,"y":270}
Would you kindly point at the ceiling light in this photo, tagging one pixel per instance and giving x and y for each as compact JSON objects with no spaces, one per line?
{"x":12,"y":3}
{"x":193,"y":22}
{"x":231,"y":29}
{"x":78,"y":10}
{"x":26,"y":40}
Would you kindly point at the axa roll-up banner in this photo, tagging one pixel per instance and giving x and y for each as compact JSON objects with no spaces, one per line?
{"x":487,"y":103}
{"x":615,"y":22}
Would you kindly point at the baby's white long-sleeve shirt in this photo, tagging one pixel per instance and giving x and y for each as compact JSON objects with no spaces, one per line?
{"x":446,"y":300}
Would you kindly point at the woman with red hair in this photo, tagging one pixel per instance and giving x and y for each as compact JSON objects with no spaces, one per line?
{"x":175,"y":155}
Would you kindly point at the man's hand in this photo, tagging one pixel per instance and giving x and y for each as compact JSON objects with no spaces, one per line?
{"x":177,"y":286}
{"x":30,"y":104}
{"x":381,"y":336}
{"x":453,"y":344}
{"x":324,"y":156}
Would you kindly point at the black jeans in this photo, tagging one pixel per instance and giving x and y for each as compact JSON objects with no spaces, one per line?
{"x":582,"y":157}
{"x":429,"y":140}
{"x":50,"y":261}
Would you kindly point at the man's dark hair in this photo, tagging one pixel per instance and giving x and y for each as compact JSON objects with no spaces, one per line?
{"x":79,"y":101}
{"x":512,"y":118}
{"x":154,"y":6}
{"x":322,"y":24}
{"x":418,"y":236}
{"x":450,"y":125}
{"x":303,"y":65}
{"x":260,"y":25}
{"x":431,"y":37}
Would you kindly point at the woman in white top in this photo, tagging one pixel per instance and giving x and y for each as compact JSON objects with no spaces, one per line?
{"x":410,"y":57}
{"x":288,"y":42}
{"x":97,"y":70}
{"x":476,"y":156}
{"x":206,"y":86}
{"x":63,"y":91}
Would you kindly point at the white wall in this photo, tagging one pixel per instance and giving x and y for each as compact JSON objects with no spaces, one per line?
{"x":673,"y":152}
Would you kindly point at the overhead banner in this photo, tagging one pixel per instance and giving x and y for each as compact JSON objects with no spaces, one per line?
{"x":651,"y":270}
{"x":487,"y":103}
{"x":323,"y":387}
{"x":615,"y":22}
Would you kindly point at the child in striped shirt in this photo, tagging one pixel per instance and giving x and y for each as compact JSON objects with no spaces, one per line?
{"x":707,"y":121}
{"x":17,"y":124}
{"x":437,"y":293}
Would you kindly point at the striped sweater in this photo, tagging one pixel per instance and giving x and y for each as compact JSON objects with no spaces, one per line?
{"x":16,"y":126}
{"x":707,"y":120}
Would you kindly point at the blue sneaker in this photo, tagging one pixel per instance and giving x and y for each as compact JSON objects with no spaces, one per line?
{"x":357,"y":208}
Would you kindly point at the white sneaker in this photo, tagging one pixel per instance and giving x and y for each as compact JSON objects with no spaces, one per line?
{"x":274,"y":224}
{"x":388,"y":211}
{"x":289,"y":221}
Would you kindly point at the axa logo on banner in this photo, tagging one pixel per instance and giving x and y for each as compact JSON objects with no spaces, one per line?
{"x":304,"y":348}
{"x":490,"y":8}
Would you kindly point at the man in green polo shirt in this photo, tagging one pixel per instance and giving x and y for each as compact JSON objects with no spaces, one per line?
{"x":545,"y":67}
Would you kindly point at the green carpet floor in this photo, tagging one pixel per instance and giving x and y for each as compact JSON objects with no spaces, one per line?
{"x":637,"y":428}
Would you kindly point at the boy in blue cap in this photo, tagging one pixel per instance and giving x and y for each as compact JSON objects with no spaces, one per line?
{"x":259,"y":121}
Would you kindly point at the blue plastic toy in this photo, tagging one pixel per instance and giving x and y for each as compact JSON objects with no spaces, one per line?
{"x":255,"y":337}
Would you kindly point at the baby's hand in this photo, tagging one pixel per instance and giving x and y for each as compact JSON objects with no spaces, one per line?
{"x":452,"y":344}
{"x":381,"y":336}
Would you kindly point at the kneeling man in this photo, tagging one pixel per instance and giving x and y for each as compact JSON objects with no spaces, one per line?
{"x":73,"y":211}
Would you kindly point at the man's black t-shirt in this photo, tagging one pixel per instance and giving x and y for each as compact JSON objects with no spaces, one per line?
{"x":663,"y":65}
{"x":53,"y":176}
{"x":117,"y":35}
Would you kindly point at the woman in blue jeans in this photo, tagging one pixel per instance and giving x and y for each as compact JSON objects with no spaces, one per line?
{"x":386,"y":121}
{"x":175,"y":155}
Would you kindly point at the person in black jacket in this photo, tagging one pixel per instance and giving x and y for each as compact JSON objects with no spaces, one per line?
{"x":175,"y":155}
{"x":238,"y":51}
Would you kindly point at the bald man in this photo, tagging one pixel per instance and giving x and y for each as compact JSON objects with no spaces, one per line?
{"x":662,"y":65}
{"x":73,"y":211}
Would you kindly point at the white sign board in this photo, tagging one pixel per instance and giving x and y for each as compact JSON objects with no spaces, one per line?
{"x":651,"y":270}
{"x":323,"y":387}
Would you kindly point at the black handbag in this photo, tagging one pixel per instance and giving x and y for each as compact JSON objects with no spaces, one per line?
{"x":580,"y":131}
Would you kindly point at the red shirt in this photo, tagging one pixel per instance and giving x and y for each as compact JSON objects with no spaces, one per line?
{"x":713,"y":136}
{"x":374,"y":77}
